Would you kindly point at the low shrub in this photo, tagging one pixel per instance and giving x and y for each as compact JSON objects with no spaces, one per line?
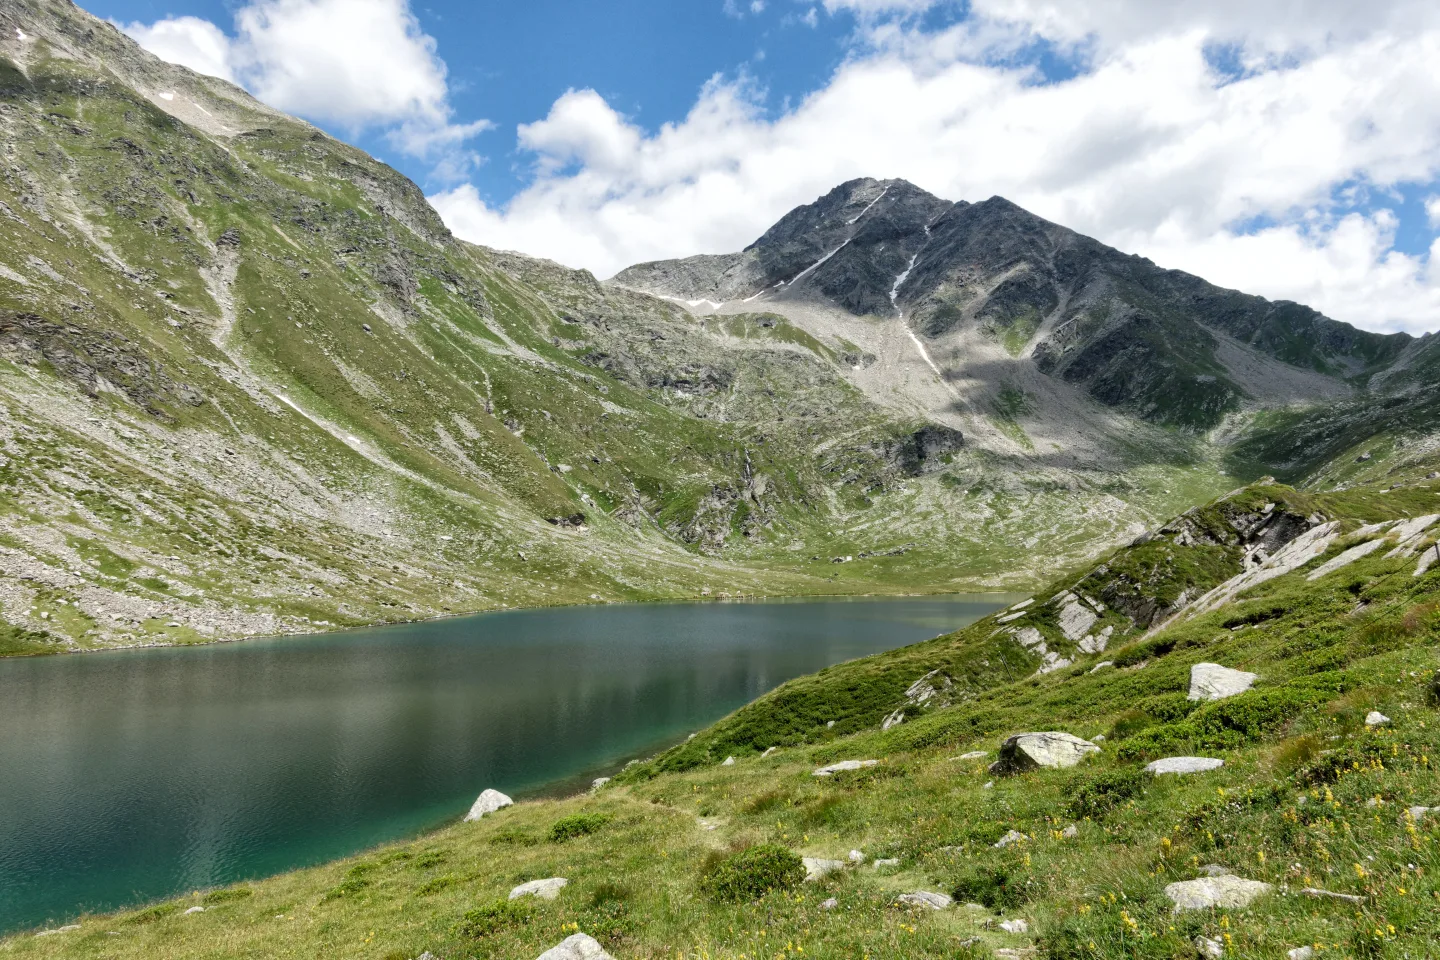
{"x":578,"y":825}
{"x":158,"y":912}
{"x":1099,"y":793}
{"x":435,"y":884}
{"x":494,"y":917}
{"x":216,"y":897}
{"x":752,"y":873}
{"x":992,"y":885}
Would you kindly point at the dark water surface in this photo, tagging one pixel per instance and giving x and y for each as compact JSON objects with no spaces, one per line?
{"x":132,"y":776}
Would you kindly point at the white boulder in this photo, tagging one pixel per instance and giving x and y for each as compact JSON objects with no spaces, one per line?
{"x":1210,"y":681}
{"x":193,"y":910}
{"x":924,"y":898}
{"x":1076,"y":619}
{"x":1015,"y":926}
{"x":974,"y":755}
{"x":1053,"y":750}
{"x":1300,"y":953}
{"x":1208,"y":893}
{"x":818,"y":869}
{"x":578,"y":947}
{"x":843,"y":766}
{"x":1014,"y":836}
{"x":1209,"y":948}
{"x":729,"y":762}
{"x":1183,"y":765}
{"x":886,"y":862}
{"x":547,"y":889}
{"x":488,"y":802}
{"x":1376,"y":719}
{"x":829,"y":904}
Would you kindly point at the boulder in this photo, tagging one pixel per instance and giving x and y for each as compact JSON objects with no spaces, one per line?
{"x":1053,"y":750}
{"x":843,"y":766}
{"x":1376,"y":719}
{"x":578,"y":947}
{"x":856,"y":856}
{"x":818,"y":869}
{"x":1015,"y":926}
{"x":547,"y":889}
{"x":1208,"y":947}
{"x":729,"y":762}
{"x":829,"y":904}
{"x":1014,"y":836}
{"x":1208,"y":893}
{"x":924,"y":898}
{"x":488,"y":802}
{"x":1419,"y":813}
{"x":194,"y":910}
{"x":598,"y":782}
{"x":1070,"y":832}
{"x":1210,"y":681}
{"x":974,"y":755}
{"x":1300,"y":953}
{"x":1183,"y":765}
{"x":886,"y":862}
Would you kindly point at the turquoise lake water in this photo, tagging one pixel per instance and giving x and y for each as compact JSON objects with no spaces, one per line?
{"x":137,"y":775}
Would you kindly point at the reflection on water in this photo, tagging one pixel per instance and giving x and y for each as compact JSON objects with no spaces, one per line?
{"x":137,"y":775}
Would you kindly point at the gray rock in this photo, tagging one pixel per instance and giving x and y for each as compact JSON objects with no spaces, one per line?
{"x":1053,"y":750}
{"x":1015,"y":926}
{"x":1300,"y":953}
{"x":1319,"y":894}
{"x":1102,"y":665}
{"x":598,"y":782}
{"x":829,"y":904}
{"x":1209,"y":948}
{"x":547,"y":889}
{"x":1210,"y":681}
{"x":427,"y":955}
{"x":818,"y":869}
{"x":1183,"y":765}
{"x":1376,"y":719}
{"x":488,"y":802}
{"x":974,"y":755}
{"x":924,"y":898}
{"x":1014,"y":836}
{"x":856,"y":856}
{"x":68,"y":928}
{"x":1076,"y":619}
{"x":577,"y":947}
{"x":843,"y":766}
{"x":1070,"y":832}
{"x":894,"y":720}
{"x":1420,"y":813}
{"x":1216,"y":870}
{"x":729,"y":762}
{"x":196,"y":909}
{"x":886,"y":862}
{"x":768,"y":751}
{"x":1207,"y":893}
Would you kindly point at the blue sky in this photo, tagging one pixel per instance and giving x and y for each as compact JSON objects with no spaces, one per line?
{"x":1291,"y":150}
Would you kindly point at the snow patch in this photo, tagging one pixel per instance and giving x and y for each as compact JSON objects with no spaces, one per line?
{"x":167,"y":96}
{"x":867,"y":208}
{"x":20,"y":34}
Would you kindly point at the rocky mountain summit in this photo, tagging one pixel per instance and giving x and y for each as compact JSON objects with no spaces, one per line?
{"x":993,"y":295}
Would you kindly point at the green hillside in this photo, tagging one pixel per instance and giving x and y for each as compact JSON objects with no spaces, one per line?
{"x":686,"y":856}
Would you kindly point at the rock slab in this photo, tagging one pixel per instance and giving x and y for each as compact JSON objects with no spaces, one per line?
{"x":488,"y":802}
{"x":1183,"y":765}
{"x":1208,"y":893}
{"x":1053,"y":750}
{"x":547,"y":889}
{"x":925,"y":898}
{"x":816,"y":868}
{"x":578,"y":947}
{"x":843,"y":766}
{"x":1210,"y":681}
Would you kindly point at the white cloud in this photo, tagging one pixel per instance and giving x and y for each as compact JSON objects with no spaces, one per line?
{"x":1432,"y":210}
{"x":1147,"y":148}
{"x":188,"y":41}
{"x":356,"y":64}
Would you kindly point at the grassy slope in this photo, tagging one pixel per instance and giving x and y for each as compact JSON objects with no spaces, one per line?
{"x":1309,"y":796}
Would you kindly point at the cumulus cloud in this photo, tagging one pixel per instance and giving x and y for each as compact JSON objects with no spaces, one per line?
{"x":188,"y":41}
{"x":1149,"y":147}
{"x":1432,"y":210}
{"x":356,"y":64}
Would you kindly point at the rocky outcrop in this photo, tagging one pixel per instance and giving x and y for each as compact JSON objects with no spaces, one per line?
{"x":1052,"y":750}
{"x":926,"y":899}
{"x":844,"y":766}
